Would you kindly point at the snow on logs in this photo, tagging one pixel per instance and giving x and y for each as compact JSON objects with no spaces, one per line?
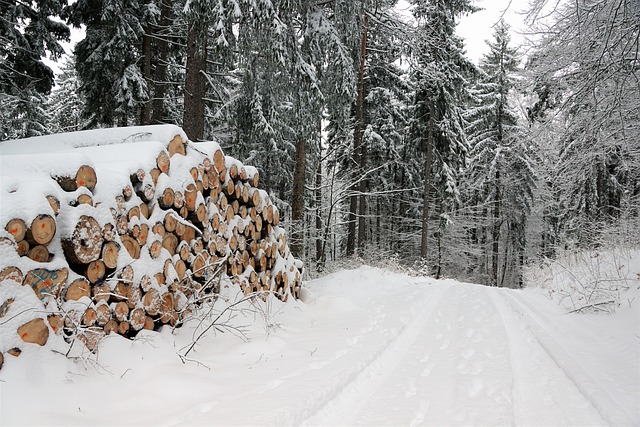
{"x":119,"y":230}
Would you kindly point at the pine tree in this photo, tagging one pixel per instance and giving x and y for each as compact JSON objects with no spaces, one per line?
{"x":501,"y":171}
{"x":111,"y":80}
{"x":28,"y":32}
{"x":65,"y":104}
{"x":437,"y":128}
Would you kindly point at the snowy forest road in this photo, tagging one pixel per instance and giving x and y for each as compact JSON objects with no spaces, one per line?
{"x":366,"y":347}
{"x":471,"y":358}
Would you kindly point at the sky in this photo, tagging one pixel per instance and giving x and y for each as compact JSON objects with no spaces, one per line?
{"x":478,"y":27}
{"x":475,"y":28}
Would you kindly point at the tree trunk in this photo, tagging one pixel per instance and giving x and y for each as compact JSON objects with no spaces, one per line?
{"x":145,"y":107}
{"x":495,"y":235}
{"x":318,"y":197}
{"x":194,"y":86}
{"x":297,"y":205}
{"x":162,"y":48}
{"x":427,"y":185}
{"x":357,"y":142}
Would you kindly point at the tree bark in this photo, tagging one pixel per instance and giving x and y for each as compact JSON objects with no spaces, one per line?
{"x":162,"y":48}
{"x":357,"y":141}
{"x":297,"y":205}
{"x":145,"y":107}
{"x":194,"y":86}
{"x":495,"y":235}
{"x":428,"y":160}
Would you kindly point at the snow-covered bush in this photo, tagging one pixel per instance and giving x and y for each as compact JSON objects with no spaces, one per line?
{"x":589,"y":280}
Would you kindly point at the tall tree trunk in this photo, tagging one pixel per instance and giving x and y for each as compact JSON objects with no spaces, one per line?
{"x":194,"y":85}
{"x":495,"y":235}
{"x":357,"y":142}
{"x":145,"y":107}
{"x":318,"y":197}
{"x":162,"y":47}
{"x":297,"y":205}
{"x":362,"y":205}
{"x":427,"y":184}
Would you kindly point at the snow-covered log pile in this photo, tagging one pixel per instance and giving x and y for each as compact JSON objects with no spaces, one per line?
{"x":122,"y":229}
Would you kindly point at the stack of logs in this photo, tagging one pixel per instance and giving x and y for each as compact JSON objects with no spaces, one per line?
{"x":140,"y":248}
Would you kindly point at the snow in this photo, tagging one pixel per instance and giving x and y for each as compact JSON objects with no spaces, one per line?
{"x":364,"y":347}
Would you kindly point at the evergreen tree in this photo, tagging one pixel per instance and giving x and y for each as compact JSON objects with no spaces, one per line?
{"x":65,"y":104}
{"x":111,"y":80}
{"x":501,"y":172}
{"x":437,"y":127}
{"x":28,"y":32}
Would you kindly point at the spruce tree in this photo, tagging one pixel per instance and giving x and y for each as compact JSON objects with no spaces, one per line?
{"x":501,"y":171}
{"x":437,"y":127}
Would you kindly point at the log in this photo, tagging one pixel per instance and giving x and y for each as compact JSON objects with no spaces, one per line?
{"x":111,"y":327}
{"x":137,"y":176}
{"x":15,"y":351}
{"x":85,"y":243}
{"x":39,"y":253}
{"x":149,"y":324}
{"x":170,"y":243}
{"x":170,"y":222}
{"x":109,"y":232}
{"x":110,"y":252}
{"x":103,"y":314}
{"x":155,"y":174}
{"x":77,"y":289}
{"x":137,"y":319}
{"x":34,"y":332}
{"x":4,"y":307}
{"x":120,"y":291}
{"x":167,"y":198}
{"x":42,"y":230}
{"x":152,"y":301}
{"x":101,"y":292}
{"x":46,"y":282}
{"x":126,"y":274}
{"x":121,"y":311}
{"x":123,"y":328}
{"x":95,"y":270}
{"x":122,"y":224}
{"x":159,"y":229}
{"x":89,"y":317}
{"x":144,"y":210}
{"x":91,"y":338}
{"x":85,"y":177}
{"x":134,"y":212}
{"x":22,"y":248}
{"x":190,"y":197}
{"x":143,"y":235}
{"x":17,"y":228}
{"x":163,"y":163}
{"x":155,"y":249}
{"x":84,"y":199}
{"x":176,"y":146}
{"x":54,"y":202}
{"x":131,"y":245}
{"x":218,"y":160}
{"x":56,"y":323}
{"x":178,"y":200}
{"x":1,"y":360}
{"x":134,"y":296}
{"x":146,"y":191}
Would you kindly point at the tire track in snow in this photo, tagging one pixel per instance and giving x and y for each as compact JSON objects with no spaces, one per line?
{"x":599,"y":399}
{"x":541,"y":394}
{"x":339,"y":404}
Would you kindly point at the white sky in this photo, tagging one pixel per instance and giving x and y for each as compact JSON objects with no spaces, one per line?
{"x":478,"y":27}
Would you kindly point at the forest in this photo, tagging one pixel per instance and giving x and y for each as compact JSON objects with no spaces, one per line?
{"x":374,"y":134}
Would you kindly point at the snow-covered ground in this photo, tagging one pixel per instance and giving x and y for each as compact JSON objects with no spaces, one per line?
{"x":367,"y":347}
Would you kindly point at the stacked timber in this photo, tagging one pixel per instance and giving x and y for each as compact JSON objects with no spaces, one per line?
{"x":115,"y":231}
